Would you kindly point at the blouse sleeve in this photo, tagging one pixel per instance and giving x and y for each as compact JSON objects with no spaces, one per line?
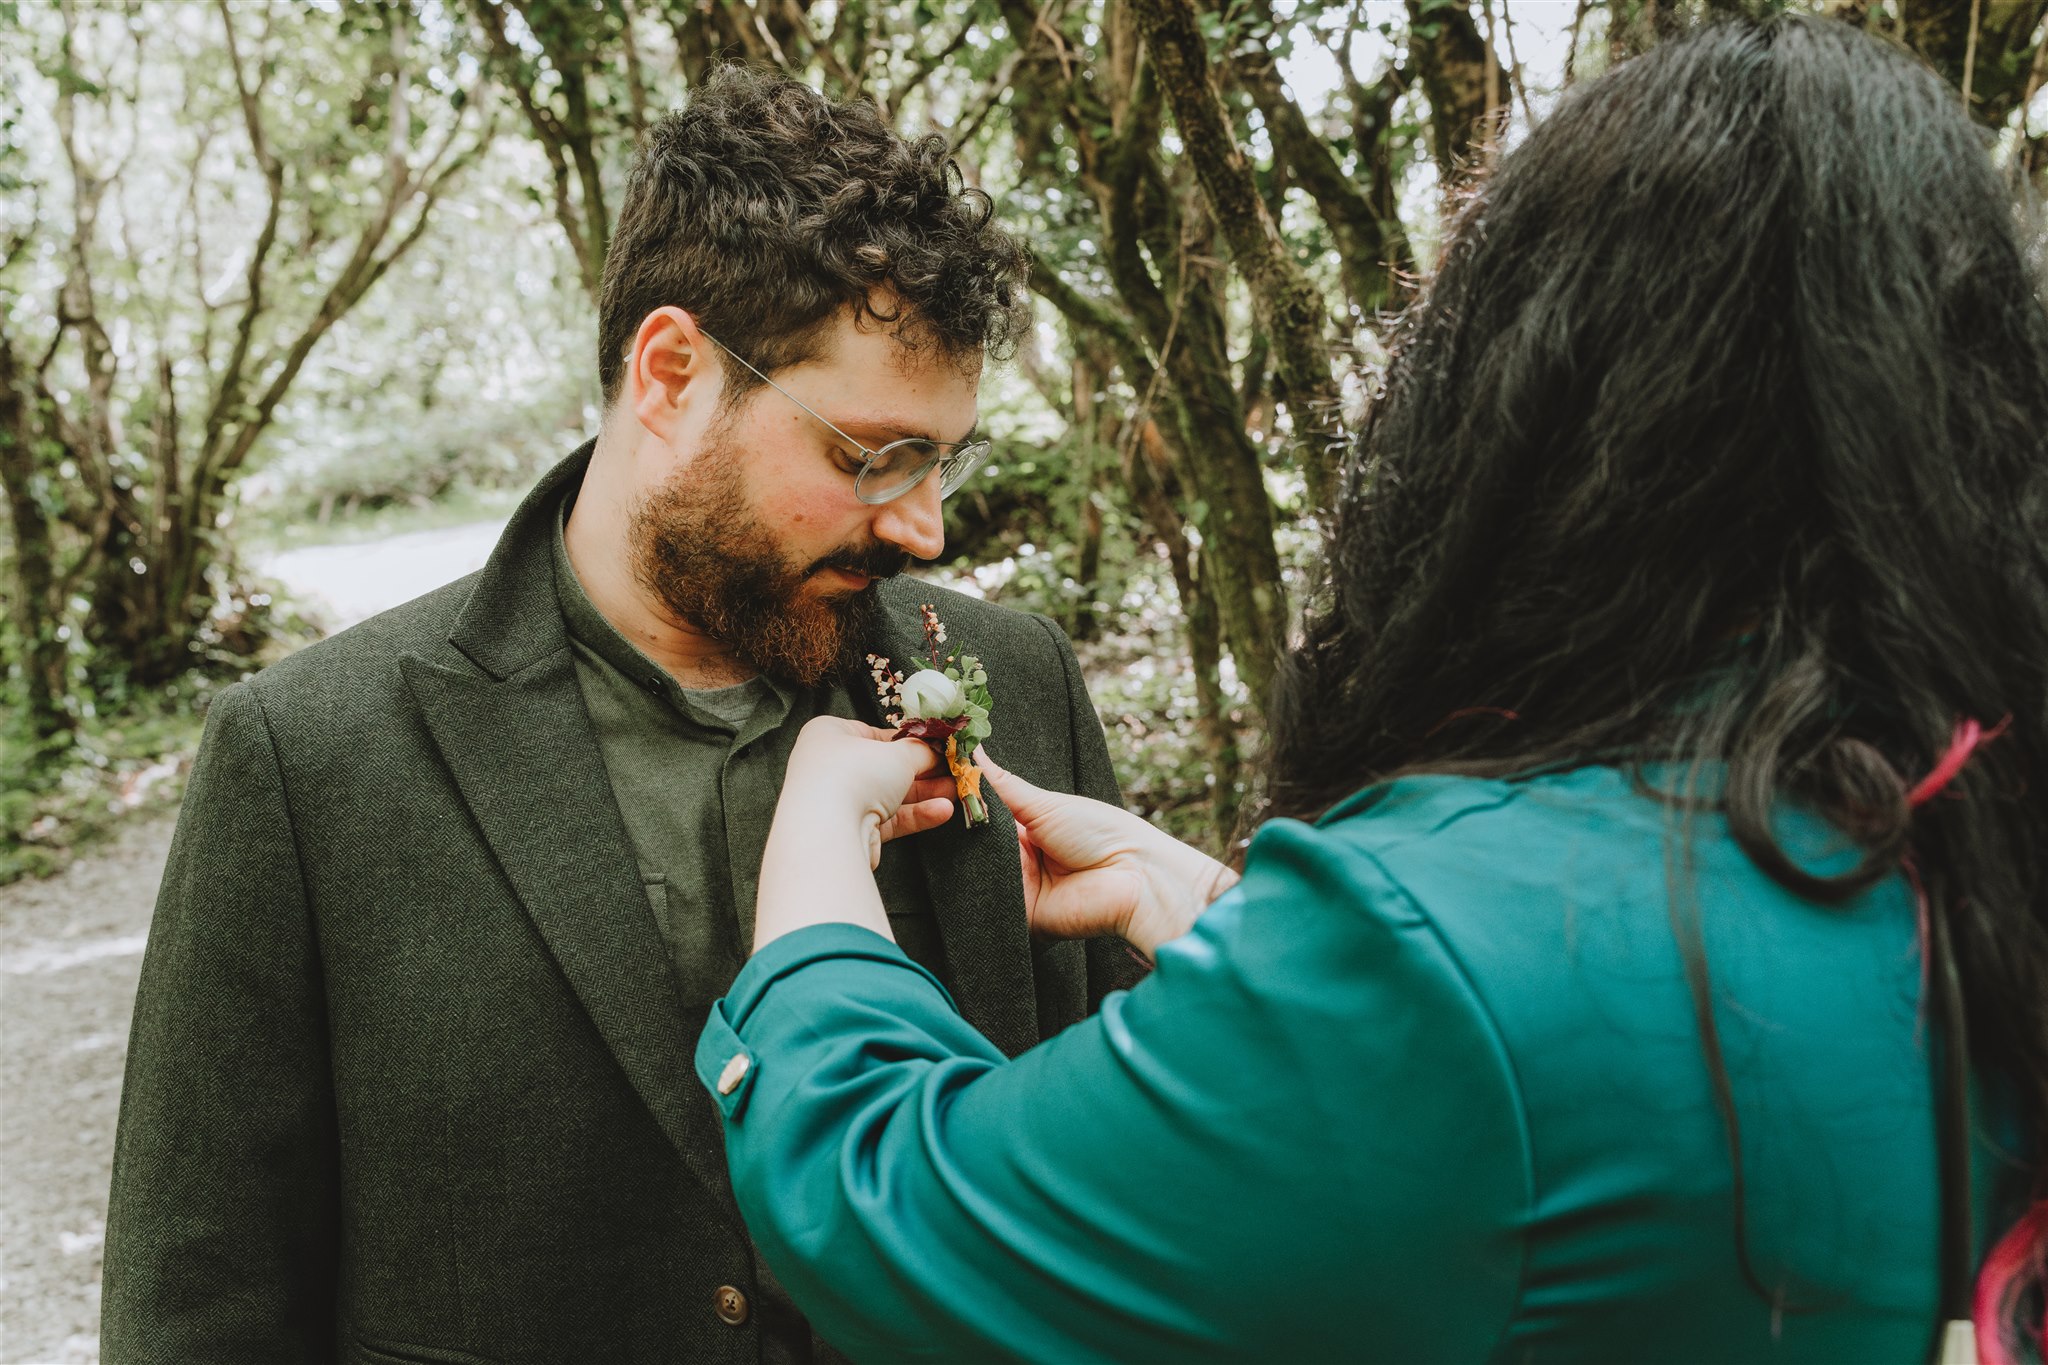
{"x":1298,"y":1138}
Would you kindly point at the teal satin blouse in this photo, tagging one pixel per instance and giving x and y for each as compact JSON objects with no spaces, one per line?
{"x":1426,"y":1086}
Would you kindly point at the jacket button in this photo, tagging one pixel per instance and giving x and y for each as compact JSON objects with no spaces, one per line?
{"x":730,"y":1305}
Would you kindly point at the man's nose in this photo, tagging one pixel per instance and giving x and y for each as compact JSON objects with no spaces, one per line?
{"x":914,"y":522}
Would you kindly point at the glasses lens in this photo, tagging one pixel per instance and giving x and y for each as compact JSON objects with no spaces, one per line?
{"x":959,"y":465}
{"x":902,"y":466}
{"x":896,"y":469}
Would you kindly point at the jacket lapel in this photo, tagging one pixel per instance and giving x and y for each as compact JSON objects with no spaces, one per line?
{"x":519,"y":743}
{"x":977,"y":892}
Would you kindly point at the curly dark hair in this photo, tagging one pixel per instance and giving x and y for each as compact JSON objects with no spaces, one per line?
{"x":1721,"y":437}
{"x":765,"y":209}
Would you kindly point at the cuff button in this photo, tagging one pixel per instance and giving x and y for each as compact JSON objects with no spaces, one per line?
{"x":729,"y":1081}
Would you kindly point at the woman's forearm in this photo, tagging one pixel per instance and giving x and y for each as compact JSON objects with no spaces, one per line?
{"x":817,"y":869}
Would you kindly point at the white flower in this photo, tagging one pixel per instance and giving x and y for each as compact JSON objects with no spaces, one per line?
{"x":931,"y":695}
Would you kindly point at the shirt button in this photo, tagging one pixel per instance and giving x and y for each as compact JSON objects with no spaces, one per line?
{"x":730,"y":1305}
{"x":735,"y":1072}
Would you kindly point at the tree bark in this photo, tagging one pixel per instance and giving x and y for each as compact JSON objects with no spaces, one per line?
{"x":1166,"y":344}
{"x":1355,"y":226}
{"x":1288,"y":305}
{"x":1094,"y":424}
{"x":37,"y":610}
{"x":1451,"y":57}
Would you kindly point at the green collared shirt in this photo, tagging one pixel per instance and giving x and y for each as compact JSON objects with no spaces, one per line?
{"x":696,"y":774}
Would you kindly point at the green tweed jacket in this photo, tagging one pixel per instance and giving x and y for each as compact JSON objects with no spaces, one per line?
{"x":409,"y":1078}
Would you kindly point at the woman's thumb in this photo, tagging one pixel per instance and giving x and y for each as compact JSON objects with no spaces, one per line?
{"x":1025,"y":801}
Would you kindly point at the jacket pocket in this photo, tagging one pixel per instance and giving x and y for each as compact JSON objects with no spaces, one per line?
{"x":371,"y":1351}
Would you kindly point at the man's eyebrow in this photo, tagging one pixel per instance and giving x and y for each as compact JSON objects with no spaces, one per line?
{"x":882,"y":430}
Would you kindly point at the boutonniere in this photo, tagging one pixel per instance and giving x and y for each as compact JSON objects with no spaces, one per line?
{"x":946,"y":706}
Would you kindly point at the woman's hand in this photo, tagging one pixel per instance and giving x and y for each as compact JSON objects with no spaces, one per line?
{"x":1091,"y":868}
{"x":890,"y":787}
{"x":848,"y":789}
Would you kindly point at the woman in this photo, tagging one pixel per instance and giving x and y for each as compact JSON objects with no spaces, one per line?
{"x":1658,"y":816}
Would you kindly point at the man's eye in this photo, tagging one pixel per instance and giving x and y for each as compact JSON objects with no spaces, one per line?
{"x":847,"y":460}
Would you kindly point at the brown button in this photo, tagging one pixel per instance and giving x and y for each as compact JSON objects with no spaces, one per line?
{"x":730,"y":1304}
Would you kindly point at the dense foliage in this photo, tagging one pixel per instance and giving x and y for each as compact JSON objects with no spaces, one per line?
{"x":275,"y":264}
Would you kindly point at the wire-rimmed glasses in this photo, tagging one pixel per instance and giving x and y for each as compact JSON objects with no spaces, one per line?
{"x":899,"y":466}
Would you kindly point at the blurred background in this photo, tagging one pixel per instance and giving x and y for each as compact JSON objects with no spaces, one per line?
{"x":296,"y":298}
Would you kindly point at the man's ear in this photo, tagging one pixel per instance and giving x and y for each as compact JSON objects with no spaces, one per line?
{"x":669,"y":369}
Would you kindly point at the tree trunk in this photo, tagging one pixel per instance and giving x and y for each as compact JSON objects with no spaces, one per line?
{"x":1154,"y":454}
{"x":1232,"y":511}
{"x":1289,"y":307}
{"x":37,"y":613}
{"x":1355,"y":226}
{"x":1453,"y":60}
{"x":1095,"y":425}
{"x":1150,"y":479}
{"x":1223,"y":465}
{"x":566,"y":138}
{"x":149,"y":594}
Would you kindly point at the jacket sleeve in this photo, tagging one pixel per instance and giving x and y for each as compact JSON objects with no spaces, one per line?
{"x":1112,"y":965}
{"x":221,"y":1227}
{"x":1298,"y":1139}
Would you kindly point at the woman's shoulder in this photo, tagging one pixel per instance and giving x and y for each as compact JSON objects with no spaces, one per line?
{"x":1428,"y":818}
{"x":1457,"y":859}
{"x":1563,"y":900}
{"x":1620,"y":823}
{"x":1565,"y":873}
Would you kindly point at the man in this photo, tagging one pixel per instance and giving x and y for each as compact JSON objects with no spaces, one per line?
{"x":410,"y":1071}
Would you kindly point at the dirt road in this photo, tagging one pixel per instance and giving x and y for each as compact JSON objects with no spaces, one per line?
{"x":346,"y":583}
{"x":70,"y":953}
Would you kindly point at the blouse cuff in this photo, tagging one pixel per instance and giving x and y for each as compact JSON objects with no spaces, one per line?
{"x":725,"y":1064}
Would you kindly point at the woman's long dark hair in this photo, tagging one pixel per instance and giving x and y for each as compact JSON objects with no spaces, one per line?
{"x":1721,"y":435}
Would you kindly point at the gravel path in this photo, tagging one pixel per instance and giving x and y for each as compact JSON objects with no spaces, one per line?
{"x":70,"y":952}
{"x":346,"y":583}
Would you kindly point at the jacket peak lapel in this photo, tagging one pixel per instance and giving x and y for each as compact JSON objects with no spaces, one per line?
{"x":972,"y":875}
{"x":524,"y":755}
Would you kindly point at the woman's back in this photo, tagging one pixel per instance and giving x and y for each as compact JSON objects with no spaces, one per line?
{"x":1553,"y":897}
{"x":1426,"y":1085}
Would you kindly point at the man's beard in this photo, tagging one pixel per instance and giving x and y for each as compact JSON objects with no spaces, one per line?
{"x":704,"y":554}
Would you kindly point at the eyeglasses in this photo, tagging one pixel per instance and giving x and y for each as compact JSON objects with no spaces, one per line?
{"x":898,"y":467}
